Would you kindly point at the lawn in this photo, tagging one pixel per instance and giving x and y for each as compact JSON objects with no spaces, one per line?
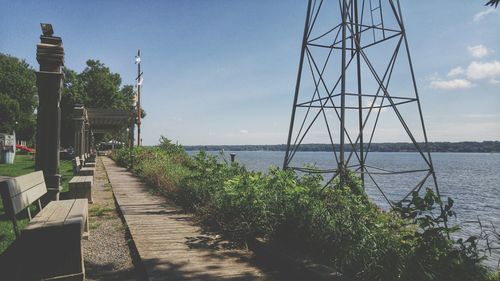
{"x":25,"y":164}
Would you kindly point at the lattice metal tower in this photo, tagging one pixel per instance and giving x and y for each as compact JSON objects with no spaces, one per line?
{"x":356,"y":85}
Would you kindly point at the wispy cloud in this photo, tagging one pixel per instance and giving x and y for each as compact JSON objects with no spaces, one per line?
{"x":479,"y":16}
{"x":479,"y":51}
{"x":484,"y":70}
{"x":244,"y":131}
{"x":457,"y":71}
{"x":451,"y":84}
{"x":475,"y":71}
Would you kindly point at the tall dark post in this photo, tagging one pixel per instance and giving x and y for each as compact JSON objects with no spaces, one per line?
{"x":139,"y":83}
{"x":50,"y":56}
{"x":79,"y":121}
{"x":288,"y":155}
{"x":132,"y":120}
{"x":87,"y":138}
{"x":92,"y":143}
{"x":356,"y":26}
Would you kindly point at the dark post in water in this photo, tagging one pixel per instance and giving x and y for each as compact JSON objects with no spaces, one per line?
{"x":50,"y":56}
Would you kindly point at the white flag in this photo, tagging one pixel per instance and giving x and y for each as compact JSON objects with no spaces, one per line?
{"x":134,"y":100}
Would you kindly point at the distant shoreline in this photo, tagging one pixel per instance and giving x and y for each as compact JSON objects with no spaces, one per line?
{"x":461,"y":147}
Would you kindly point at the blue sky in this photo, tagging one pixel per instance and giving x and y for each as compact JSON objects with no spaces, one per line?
{"x":223,"y":72}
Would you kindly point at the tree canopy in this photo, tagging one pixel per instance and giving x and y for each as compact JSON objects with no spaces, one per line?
{"x":95,"y":87}
{"x":18,"y":98}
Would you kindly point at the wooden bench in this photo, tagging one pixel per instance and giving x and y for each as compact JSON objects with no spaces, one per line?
{"x":77,"y":165}
{"x":49,"y":247}
{"x":81,"y":187}
{"x":89,"y":160}
{"x":86,"y":171}
{"x":82,"y":169}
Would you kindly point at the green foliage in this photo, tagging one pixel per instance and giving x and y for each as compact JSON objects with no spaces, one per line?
{"x":156,"y":167}
{"x":337,"y":224}
{"x":173,"y":150}
{"x":95,"y":87}
{"x":72,"y":93}
{"x":101,"y":86}
{"x":429,"y":252}
{"x":17,"y":97}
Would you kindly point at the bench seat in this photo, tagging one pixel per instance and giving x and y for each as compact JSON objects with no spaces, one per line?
{"x":59,"y":214}
{"x":81,"y":187}
{"x":86,"y":171}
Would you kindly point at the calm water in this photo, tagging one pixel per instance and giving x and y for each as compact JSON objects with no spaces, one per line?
{"x":471,"y":179}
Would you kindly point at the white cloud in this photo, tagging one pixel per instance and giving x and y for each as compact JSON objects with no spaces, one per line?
{"x":451,"y":84}
{"x":457,"y":71}
{"x":244,"y":131}
{"x":484,"y":70}
{"x":479,"y":16}
{"x":479,"y":51}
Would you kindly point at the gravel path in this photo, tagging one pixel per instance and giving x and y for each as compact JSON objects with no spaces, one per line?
{"x":106,"y":252}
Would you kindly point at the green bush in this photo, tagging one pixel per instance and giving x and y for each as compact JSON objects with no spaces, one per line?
{"x":337,"y":224}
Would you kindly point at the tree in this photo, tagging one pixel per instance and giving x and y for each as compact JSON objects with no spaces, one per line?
{"x":493,"y":3}
{"x":127,"y":94}
{"x":95,"y":87}
{"x":101,"y":86}
{"x":72,"y":94}
{"x":18,"y":98}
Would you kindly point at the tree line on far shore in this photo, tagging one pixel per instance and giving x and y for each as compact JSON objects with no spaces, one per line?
{"x":466,"y":146}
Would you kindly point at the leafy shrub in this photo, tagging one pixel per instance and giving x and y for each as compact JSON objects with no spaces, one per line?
{"x":338,"y":224}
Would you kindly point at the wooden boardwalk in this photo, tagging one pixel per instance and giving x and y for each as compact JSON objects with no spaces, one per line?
{"x":169,"y":244}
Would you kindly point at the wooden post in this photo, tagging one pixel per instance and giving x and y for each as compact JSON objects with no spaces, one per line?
{"x":50,"y":56}
{"x":87,"y":138}
{"x":233,"y":156}
{"x":79,"y":119}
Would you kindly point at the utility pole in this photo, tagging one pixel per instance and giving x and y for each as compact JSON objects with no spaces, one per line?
{"x":139,"y":83}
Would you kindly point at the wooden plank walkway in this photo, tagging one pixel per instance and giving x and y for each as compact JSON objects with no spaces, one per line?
{"x":169,"y":244}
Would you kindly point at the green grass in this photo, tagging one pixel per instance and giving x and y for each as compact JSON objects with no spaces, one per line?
{"x":25,"y":164}
{"x":100,"y":211}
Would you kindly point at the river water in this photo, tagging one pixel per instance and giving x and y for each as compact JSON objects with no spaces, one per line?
{"x":471,"y":179}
